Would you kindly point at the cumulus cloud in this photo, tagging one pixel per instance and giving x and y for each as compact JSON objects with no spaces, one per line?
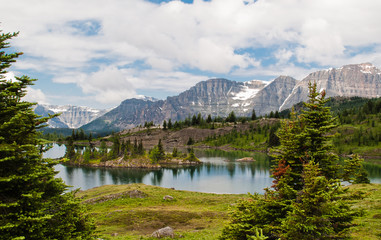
{"x":35,"y":96}
{"x":112,"y":84}
{"x":112,"y":49}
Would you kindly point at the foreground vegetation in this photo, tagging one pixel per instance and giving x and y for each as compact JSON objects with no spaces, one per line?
{"x":33,"y":203}
{"x":195,"y":215}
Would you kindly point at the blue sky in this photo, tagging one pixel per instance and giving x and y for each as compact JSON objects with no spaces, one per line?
{"x":98,"y":53}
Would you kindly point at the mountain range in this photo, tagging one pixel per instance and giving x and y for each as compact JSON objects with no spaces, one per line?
{"x":70,"y":116}
{"x":218,"y":97}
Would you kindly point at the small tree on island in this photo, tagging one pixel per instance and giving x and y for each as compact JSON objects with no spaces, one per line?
{"x":192,"y":157}
{"x":157,"y":153}
{"x":33,"y":203}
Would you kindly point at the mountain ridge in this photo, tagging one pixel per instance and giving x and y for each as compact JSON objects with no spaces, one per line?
{"x":219,"y":96}
{"x":70,"y":116}
{"x":362,"y":80}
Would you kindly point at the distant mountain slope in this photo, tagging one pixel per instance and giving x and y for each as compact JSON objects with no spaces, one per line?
{"x":217,"y":97}
{"x":71,"y":116}
{"x":271,"y":97}
{"x":362,"y":80}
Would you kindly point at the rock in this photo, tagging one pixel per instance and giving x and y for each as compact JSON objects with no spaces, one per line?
{"x":114,"y":234}
{"x":137,"y":194}
{"x":167,"y":198}
{"x":246,"y":159}
{"x":163,"y":232}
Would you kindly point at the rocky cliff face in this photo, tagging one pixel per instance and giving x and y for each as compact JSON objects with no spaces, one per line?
{"x":273,"y":95}
{"x":128,"y":114}
{"x":363,"y":80}
{"x":71,"y":116}
{"x":217,"y":97}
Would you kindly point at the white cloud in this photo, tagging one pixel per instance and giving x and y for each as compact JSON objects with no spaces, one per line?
{"x":113,"y":85}
{"x":8,"y":76}
{"x":157,"y":46}
{"x":283,"y":55}
{"x":35,"y":95}
{"x":320,"y":43}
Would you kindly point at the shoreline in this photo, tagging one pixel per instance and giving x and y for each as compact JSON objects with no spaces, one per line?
{"x":135,"y":163}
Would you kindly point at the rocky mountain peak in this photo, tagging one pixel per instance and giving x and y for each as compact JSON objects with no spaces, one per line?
{"x":367,"y":68}
{"x":363,"y":80}
{"x":71,"y":116}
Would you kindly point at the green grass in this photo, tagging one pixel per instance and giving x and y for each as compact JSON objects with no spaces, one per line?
{"x":248,"y":140}
{"x":369,"y":224}
{"x":195,"y":215}
{"x":191,"y":214}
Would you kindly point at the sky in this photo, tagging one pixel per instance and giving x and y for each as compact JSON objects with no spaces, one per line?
{"x":98,"y":53}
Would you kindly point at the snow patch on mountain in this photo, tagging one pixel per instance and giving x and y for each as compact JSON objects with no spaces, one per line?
{"x":145,"y":98}
{"x":245,"y":93}
{"x":70,"y":116}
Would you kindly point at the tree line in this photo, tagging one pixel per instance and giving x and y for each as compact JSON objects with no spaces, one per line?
{"x":115,"y":148}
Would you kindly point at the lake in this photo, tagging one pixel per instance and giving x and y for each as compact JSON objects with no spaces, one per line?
{"x":220,"y":173}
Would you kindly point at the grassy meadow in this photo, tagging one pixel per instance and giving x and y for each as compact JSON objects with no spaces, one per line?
{"x":195,"y":215}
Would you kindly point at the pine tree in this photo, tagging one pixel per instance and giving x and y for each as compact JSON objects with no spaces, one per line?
{"x":140,"y":147}
{"x":87,"y":155}
{"x":199,"y":119}
{"x":318,"y":212}
{"x":70,"y":150}
{"x":115,"y":149}
{"x":231,"y":117}
{"x":33,"y":203}
{"x":354,"y":170}
{"x":253,"y":115}
{"x":318,"y":122}
{"x":175,"y":152}
{"x":209,"y":119}
{"x":157,"y":153}
{"x":291,"y":152}
{"x":103,"y":151}
{"x":160,"y":147}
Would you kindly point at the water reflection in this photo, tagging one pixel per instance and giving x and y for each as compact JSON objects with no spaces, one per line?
{"x":56,"y":151}
{"x":374,"y":171}
{"x":220,"y":173}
